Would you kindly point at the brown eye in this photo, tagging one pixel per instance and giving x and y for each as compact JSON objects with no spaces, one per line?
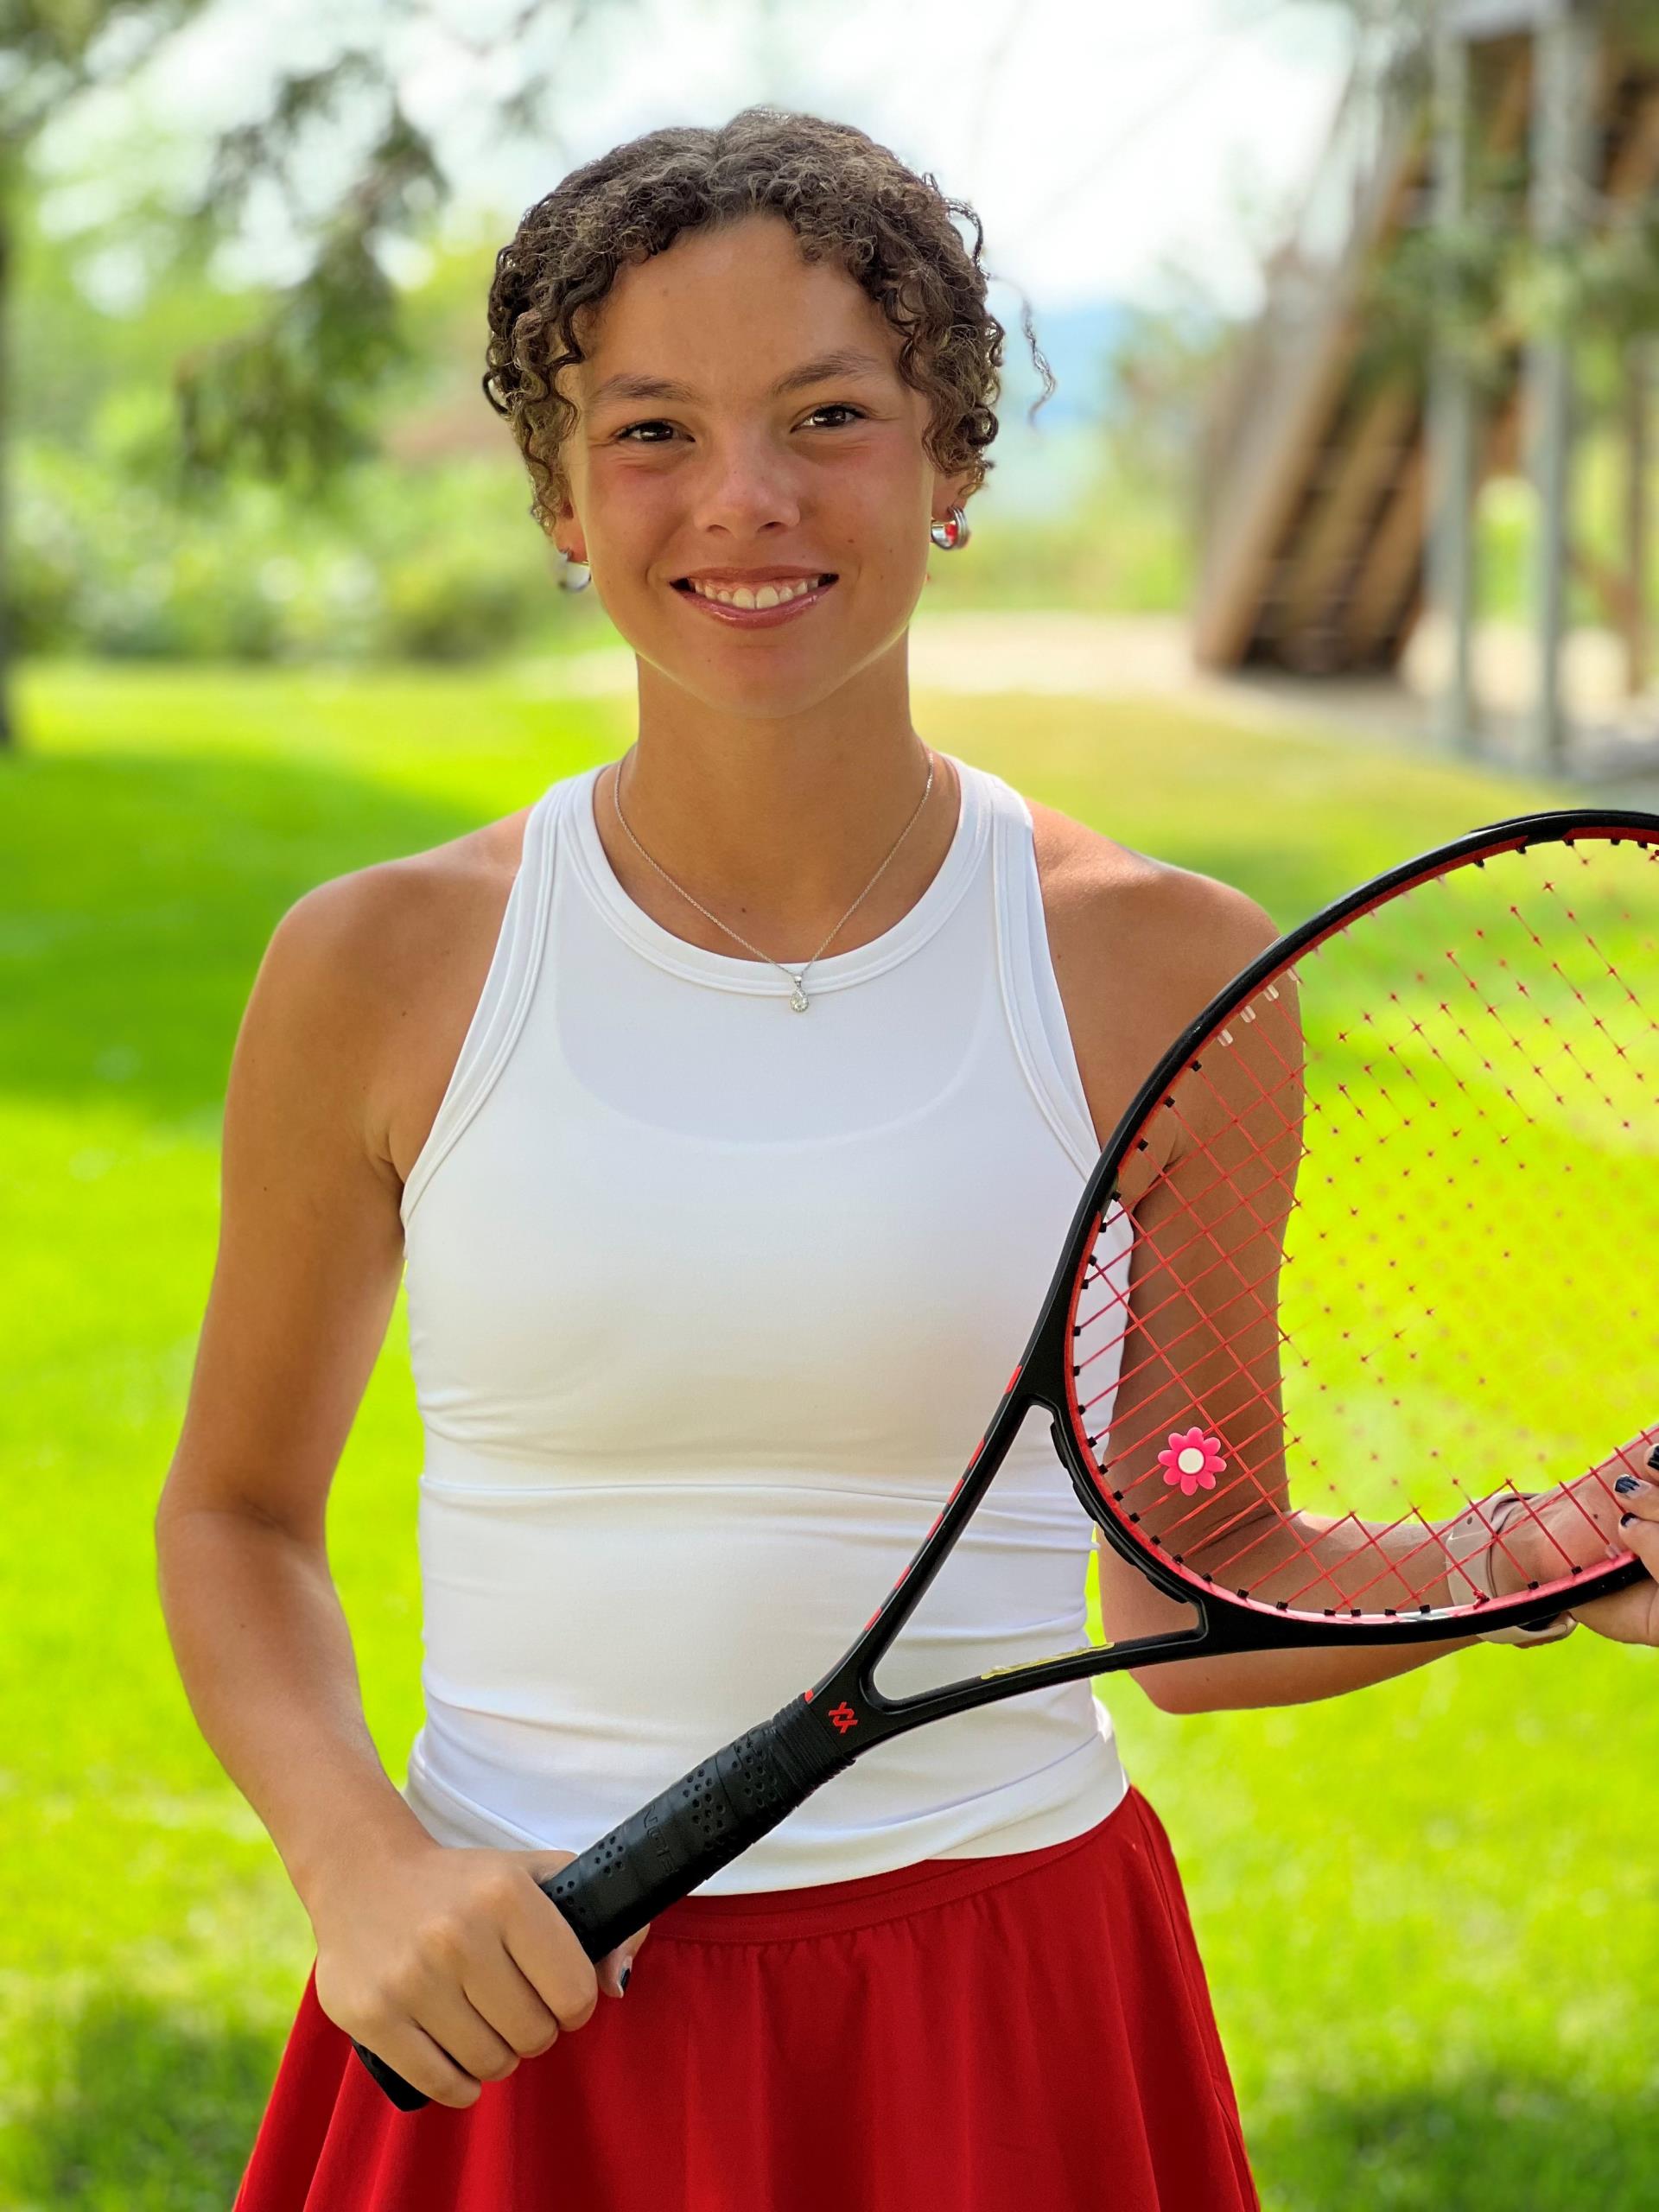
{"x":625,"y":436}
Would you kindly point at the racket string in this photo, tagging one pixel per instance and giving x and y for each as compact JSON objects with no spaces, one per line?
{"x":1366,"y":1259}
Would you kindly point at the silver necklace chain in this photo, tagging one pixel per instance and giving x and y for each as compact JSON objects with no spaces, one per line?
{"x":798,"y":998}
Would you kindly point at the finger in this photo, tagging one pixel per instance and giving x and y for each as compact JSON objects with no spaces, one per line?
{"x":406,"y":2047}
{"x":616,"y":1967}
{"x":1632,"y":1614}
{"x":1591,"y":1511}
{"x":467,"y":2034}
{"x":1638,"y":1525}
{"x":1627,"y":1616}
{"x":544,"y":1948}
{"x":1637,"y":1496}
{"x":1636,"y":1461}
{"x":504,"y":1996}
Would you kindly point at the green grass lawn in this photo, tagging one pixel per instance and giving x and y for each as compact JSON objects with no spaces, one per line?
{"x":1430,"y":1913}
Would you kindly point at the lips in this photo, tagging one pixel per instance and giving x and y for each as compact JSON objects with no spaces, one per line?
{"x":756,"y":618}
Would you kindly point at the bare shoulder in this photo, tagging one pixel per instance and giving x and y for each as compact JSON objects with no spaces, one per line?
{"x":373,"y":919}
{"x":1097,"y":890}
{"x":383,"y":966}
{"x":1139,"y":945}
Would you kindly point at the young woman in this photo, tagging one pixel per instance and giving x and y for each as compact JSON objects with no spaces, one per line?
{"x":727,"y":1106}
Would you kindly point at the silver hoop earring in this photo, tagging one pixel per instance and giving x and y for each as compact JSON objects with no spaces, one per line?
{"x":951,"y":535}
{"x":575,"y":575}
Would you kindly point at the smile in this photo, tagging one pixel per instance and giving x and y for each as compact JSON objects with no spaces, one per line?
{"x":778,"y":603}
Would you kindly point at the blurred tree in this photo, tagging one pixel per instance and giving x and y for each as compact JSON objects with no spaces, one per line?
{"x":288,"y":399}
{"x":48,"y":51}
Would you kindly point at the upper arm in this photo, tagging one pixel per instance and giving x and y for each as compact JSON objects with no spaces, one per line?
{"x":1202,"y":1344}
{"x":310,"y":1241}
{"x":1200,"y":1336}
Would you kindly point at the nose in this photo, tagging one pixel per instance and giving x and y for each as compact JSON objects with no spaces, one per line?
{"x":747,"y":484}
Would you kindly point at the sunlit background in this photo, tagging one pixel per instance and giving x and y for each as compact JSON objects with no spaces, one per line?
{"x":1333,"y":541}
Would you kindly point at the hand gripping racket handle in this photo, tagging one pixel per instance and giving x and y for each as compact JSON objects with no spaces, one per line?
{"x":661,"y":1854}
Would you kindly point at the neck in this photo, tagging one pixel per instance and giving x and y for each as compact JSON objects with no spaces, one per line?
{"x":776,"y":826}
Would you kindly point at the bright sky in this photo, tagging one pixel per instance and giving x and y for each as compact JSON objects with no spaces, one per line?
{"x":1111,"y":151}
{"x":1094,"y":137}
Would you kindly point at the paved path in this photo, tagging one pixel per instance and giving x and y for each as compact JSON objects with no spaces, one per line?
{"x":1131,"y":656}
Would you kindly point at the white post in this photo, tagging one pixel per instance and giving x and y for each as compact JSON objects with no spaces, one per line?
{"x":1563,"y":54}
{"x":1450,"y":428}
{"x":1638,"y":381}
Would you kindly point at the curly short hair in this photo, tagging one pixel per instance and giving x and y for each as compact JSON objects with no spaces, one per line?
{"x":846,"y":198}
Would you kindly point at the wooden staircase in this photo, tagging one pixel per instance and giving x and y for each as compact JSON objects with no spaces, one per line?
{"x":1312,"y":503}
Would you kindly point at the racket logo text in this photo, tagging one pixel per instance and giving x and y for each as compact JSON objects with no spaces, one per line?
{"x":842,"y":1718}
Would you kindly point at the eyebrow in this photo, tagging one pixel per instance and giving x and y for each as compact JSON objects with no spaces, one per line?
{"x":845,"y":361}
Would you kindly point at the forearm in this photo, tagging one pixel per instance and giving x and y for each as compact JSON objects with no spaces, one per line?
{"x":1253,"y":1678}
{"x":265,"y":1656}
{"x":1318,"y":1560}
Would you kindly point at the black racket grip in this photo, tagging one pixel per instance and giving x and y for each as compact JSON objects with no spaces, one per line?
{"x":661,"y":1854}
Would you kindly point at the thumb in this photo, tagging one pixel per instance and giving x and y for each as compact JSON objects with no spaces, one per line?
{"x":614,"y":1969}
{"x":542,"y":1866}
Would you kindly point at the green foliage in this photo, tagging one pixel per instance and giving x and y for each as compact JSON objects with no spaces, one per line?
{"x":424,"y":549}
{"x":434,"y":566}
{"x":292,"y":398}
{"x":313,"y":472}
{"x":117,"y":549}
{"x":54,"y":49}
{"x":290,"y":395}
{"x":1479,"y":289}
{"x":1425,"y":1910}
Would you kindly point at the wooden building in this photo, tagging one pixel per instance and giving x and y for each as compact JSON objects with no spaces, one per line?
{"x":1341,"y":462}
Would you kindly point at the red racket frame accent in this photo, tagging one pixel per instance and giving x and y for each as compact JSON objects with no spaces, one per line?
{"x":1227,"y":1622}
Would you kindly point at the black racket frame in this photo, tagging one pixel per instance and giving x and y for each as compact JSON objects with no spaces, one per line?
{"x":730,"y":1800}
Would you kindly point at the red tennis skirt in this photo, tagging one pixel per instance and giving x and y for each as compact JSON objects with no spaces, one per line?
{"x":1026,"y":2033}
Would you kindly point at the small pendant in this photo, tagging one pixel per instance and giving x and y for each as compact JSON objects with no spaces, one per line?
{"x":797,"y":1000}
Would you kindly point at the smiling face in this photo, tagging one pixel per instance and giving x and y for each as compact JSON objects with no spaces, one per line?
{"x":744,"y":429}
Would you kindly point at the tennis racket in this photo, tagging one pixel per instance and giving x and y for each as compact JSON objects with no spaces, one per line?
{"x":1353,"y":1328}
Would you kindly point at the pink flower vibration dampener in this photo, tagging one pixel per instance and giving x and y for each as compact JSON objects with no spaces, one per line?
{"x":1193,"y":1460}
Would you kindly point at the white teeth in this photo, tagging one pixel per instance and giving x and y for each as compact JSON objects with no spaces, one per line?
{"x":768,"y":595}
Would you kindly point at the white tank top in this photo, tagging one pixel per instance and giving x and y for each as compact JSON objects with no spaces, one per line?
{"x":709,"y":1304}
